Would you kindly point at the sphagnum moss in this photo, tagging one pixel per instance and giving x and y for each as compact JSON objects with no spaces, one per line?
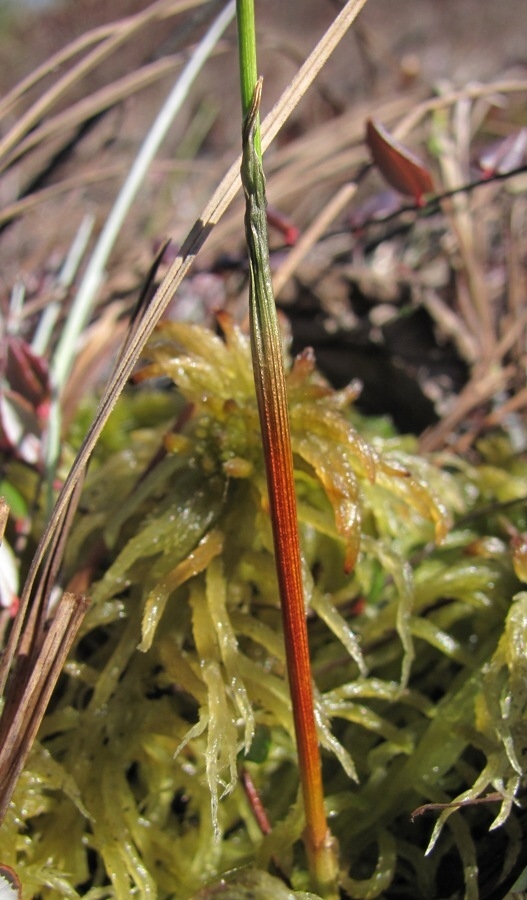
{"x":416,"y":625}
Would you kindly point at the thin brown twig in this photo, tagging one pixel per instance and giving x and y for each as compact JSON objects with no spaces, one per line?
{"x":480,"y":389}
{"x":472,"y":290}
{"x":432,"y":204}
{"x":515,"y":403}
{"x":455,"y":804}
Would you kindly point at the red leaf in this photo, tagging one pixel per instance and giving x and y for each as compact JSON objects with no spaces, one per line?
{"x":400,"y":167}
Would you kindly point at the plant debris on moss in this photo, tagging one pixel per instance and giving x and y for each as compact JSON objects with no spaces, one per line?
{"x":175,"y":698}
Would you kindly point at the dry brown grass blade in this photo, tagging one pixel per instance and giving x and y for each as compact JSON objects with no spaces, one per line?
{"x":94,"y":104}
{"x":108,"y":335}
{"x":111,"y":36}
{"x":489,"y":379}
{"x":26,"y":703}
{"x":518,"y":278}
{"x":486,"y":327}
{"x":472,"y":293}
{"x":81,"y":181}
{"x":190,"y":247}
{"x":471,"y":92}
{"x":162,"y":9}
{"x":26,"y":204}
{"x":40,"y":640}
{"x":4,"y":514}
{"x":452,"y":325}
{"x":28,"y":634}
{"x":101,"y":342}
{"x":5,"y":618}
{"x":505,"y":414}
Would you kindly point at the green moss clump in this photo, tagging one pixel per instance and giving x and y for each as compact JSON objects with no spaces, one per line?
{"x":177,"y":682}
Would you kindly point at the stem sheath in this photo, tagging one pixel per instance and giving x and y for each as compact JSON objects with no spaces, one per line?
{"x":274,"y":422}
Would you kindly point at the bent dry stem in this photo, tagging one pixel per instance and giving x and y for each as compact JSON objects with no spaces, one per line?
{"x":274,"y":422}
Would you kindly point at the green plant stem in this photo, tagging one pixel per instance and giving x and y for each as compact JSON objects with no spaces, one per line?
{"x":274,"y":422}
{"x":248,"y":61}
